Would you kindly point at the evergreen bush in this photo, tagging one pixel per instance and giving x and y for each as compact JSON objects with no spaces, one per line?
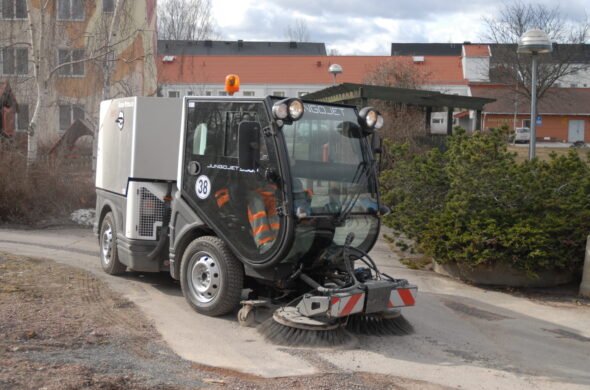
{"x":474,"y":204}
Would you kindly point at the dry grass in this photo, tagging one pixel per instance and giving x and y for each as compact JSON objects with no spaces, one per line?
{"x":50,"y":189}
{"x":543,"y":153}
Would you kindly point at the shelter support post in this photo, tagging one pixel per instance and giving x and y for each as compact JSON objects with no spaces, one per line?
{"x":450,"y":120}
{"x":428,"y":119}
{"x":478,"y":120}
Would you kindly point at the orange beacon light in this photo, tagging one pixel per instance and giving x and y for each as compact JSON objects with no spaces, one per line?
{"x":232,"y":84}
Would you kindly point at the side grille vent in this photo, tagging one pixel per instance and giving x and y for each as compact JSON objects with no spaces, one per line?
{"x":151,"y":213}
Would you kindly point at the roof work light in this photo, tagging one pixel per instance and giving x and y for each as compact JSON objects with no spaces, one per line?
{"x":288,"y":110}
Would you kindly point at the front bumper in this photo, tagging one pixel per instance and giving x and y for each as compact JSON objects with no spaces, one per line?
{"x":373,"y":296}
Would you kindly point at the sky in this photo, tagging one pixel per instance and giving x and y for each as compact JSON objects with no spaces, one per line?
{"x":356,"y":27}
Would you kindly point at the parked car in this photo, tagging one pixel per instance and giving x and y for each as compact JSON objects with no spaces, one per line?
{"x":522,"y":134}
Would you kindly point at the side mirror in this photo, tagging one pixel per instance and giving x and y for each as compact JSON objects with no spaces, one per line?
{"x":248,"y":145}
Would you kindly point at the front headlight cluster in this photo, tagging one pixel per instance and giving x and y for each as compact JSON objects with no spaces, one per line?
{"x":288,"y":110}
{"x":370,"y":119}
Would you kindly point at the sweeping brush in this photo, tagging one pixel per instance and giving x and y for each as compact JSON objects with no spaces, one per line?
{"x":379,"y":324}
{"x":312,"y":333}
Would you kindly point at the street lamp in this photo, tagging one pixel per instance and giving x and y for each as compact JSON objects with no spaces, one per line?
{"x":534,"y":42}
{"x":335,"y":69}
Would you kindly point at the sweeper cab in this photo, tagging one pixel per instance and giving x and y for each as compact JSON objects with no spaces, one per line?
{"x":261,"y":202}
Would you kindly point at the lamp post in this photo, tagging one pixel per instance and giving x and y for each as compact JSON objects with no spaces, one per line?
{"x":534,"y":42}
{"x":335,"y":69}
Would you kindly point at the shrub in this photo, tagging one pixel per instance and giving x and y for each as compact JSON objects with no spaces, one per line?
{"x":52,"y":188}
{"x":475,"y":204}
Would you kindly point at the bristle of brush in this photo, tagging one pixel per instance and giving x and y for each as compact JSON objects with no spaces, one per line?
{"x":379,"y":326}
{"x":294,"y":337}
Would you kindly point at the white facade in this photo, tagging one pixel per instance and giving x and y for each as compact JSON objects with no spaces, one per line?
{"x":255,"y":90}
{"x":450,"y":89}
{"x":476,"y":69}
{"x":579,"y":80}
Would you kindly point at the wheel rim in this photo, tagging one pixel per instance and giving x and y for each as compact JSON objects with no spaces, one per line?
{"x":204,"y":277}
{"x":107,"y":244}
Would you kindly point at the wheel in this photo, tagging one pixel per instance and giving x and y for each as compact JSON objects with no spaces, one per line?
{"x":211,"y":277}
{"x":109,"y":257}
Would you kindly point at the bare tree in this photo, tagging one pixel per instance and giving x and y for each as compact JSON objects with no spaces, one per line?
{"x":403,"y":122}
{"x":514,"y":19}
{"x":298,"y":31}
{"x":60,"y":55}
{"x":185,"y":20}
{"x":334,"y":52}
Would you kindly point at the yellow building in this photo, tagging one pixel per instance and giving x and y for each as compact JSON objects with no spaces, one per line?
{"x":62,"y":57}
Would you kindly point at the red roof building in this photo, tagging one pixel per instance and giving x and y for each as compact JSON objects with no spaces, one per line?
{"x":461,"y":69}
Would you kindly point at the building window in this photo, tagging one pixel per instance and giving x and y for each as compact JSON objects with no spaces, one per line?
{"x":190,"y":93}
{"x":14,"y":9}
{"x":207,"y":93}
{"x":22,"y":117}
{"x":68,"y":114}
{"x":70,"y":10}
{"x":108,"y":6}
{"x":526,"y":123}
{"x":173,"y":94}
{"x":248,"y":93}
{"x":69,"y":57}
{"x":279,"y":93}
{"x":573,"y":85}
{"x":15,"y":60}
{"x":302,"y":94}
{"x":222,"y":93}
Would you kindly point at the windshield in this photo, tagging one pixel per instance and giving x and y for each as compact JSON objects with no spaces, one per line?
{"x":330,"y":166}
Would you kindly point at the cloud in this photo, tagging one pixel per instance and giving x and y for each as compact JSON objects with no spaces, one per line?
{"x":417,"y":10}
{"x":365,"y":27}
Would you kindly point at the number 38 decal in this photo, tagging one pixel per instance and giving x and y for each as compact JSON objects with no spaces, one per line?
{"x":203,"y":187}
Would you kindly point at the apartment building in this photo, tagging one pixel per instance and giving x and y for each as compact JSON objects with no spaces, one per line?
{"x":62,"y":57}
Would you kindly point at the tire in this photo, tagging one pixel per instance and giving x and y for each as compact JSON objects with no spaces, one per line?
{"x":109,"y":256}
{"x":211,"y":277}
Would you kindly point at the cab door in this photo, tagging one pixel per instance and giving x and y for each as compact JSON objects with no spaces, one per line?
{"x":241,"y":206}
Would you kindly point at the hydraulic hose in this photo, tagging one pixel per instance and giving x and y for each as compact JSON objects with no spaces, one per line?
{"x":325,"y":290}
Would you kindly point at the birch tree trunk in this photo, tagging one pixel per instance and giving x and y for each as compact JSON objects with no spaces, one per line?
{"x":109,"y":65}
{"x":37,"y":42}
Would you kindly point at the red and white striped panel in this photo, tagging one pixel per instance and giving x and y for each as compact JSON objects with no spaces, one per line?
{"x":402,"y":297}
{"x":344,"y":306}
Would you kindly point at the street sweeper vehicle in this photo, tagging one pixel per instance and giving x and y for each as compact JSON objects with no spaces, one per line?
{"x":267,"y":202}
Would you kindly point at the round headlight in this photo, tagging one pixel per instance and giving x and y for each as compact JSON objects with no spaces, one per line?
{"x":380,"y":121}
{"x":295,"y":109}
{"x":280,"y":110}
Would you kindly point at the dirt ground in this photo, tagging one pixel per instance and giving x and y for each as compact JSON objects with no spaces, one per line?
{"x":61,"y":328}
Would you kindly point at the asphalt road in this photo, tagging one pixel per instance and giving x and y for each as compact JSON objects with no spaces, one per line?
{"x":466,"y":337}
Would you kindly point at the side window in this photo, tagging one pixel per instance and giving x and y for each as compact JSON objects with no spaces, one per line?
{"x":213,"y":127}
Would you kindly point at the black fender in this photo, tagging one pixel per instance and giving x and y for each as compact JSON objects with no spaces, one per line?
{"x":185,"y":227}
{"x":105,"y":202}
